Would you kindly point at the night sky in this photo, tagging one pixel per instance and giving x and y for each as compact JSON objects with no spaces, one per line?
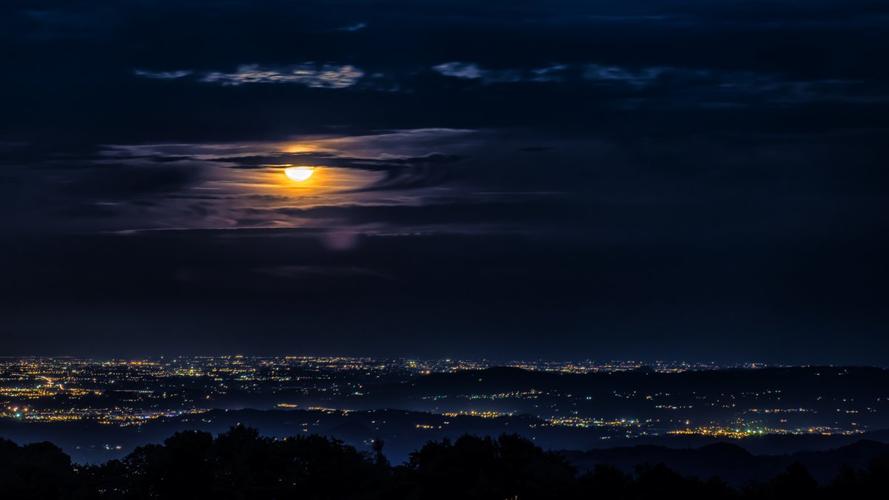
{"x":637,"y":179}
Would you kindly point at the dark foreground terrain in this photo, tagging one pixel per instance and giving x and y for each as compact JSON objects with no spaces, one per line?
{"x":242,"y":464}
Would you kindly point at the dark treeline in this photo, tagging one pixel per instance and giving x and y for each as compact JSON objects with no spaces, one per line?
{"x":241,"y":464}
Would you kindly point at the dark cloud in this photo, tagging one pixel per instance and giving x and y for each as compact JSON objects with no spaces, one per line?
{"x":731,"y":62}
{"x":491,"y":293}
{"x":127,"y":182}
{"x":576,"y":170}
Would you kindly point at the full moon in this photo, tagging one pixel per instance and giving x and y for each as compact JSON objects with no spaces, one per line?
{"x":299,"y":174}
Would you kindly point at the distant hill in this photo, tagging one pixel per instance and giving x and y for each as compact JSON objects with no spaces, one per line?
{"x":730,"y":462}
{"x":403,"y":431}
{"x":801,"y":381}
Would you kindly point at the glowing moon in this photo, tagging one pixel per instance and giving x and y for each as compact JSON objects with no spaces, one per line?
{"x":299,"y":174}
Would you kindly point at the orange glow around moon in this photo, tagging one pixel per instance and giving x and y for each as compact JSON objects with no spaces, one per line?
{"x":299,"y":174}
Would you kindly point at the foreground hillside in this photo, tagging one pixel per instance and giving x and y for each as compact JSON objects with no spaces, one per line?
{"x":241,"y":464}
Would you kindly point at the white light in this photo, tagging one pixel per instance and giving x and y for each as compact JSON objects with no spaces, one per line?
{"x":299,"y":174}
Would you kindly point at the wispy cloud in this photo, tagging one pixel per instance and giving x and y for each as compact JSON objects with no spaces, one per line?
{"x":457,"y":69}
{"x":162,"y":75}
{"x":472,"y":71}
{"x":552,"y":73}
{"x":330,"y":76}
{"x":635,"y":78}
{"x":354,"y":27}
{"x":319,"y":76}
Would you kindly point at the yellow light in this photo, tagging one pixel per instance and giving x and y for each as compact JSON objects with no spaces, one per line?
{"x":300,"y":148}
{"x":299,"y":174}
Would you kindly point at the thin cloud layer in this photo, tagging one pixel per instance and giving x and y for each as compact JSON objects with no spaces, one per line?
{"x":317,"y":76}
{"x":327,"y":76}
{"x":162,"y":75}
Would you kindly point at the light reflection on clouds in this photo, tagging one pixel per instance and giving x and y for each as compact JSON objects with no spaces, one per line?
{"x":238,"y":188}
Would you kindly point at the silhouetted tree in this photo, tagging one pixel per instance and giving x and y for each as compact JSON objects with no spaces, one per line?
{"x":379,"y":458}
{"x":605,"y":481}
{"x":241,"y":464}
{"x":472,"y":467}
{"x":39,"y":470}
